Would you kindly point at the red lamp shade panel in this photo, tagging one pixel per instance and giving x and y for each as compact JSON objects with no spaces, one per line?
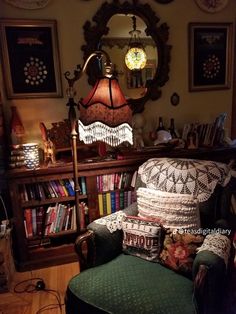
{"x":105,"y":114}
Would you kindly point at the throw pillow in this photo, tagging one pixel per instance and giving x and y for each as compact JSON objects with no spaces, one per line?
{"x":142,"y":238}
{"x":179,"y":250}
{"x":172,"y":210}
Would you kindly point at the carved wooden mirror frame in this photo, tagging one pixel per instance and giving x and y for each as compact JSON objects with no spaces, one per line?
{"x":94,"y":32}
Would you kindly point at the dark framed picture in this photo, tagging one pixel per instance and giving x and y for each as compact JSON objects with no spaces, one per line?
{"x":30,"y":56}
{"x":210,"y":56}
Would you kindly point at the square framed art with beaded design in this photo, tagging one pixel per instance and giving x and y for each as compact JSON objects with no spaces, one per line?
{"x":31,"y":58}
{"x":210,"y":56}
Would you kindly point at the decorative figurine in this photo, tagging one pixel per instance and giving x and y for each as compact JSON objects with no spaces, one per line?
{"x":49,"y":148}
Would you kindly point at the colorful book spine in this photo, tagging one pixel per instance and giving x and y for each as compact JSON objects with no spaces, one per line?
{"x":40,"y":220}
{"x":69,"y":187}
{"x":28,"y":222}
{"x":113,"y":201}
{"x":117,"y":197}
{"x":108,"y":202}
{"x":100,"y":204}
{"x":104,"y":202}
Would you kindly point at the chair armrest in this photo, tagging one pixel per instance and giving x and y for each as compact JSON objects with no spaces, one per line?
{"x":209,"y":275}
{"x":85,"y":248}
{"x":101,"y":244}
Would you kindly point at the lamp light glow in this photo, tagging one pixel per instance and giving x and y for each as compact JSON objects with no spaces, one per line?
{"x":31,"y":155}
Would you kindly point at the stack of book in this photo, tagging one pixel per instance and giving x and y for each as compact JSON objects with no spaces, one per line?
{"x":115,"y":191}
{"x":40,"y":221}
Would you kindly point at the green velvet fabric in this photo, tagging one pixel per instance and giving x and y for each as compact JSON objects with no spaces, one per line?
{"x":129,"y":284}
{"x":109,"y":245}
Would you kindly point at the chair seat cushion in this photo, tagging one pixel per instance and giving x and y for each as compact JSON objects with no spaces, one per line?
{"x":129,"y":284}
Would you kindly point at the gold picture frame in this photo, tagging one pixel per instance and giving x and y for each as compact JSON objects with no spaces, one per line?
{"x":30,"y":54}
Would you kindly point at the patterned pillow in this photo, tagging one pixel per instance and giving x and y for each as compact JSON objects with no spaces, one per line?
{"x":172,"y":210}
{"x":179,"y":251}
{"x":142,"y":238}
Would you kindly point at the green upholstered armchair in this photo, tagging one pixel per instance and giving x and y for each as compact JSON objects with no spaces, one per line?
{"x":114,"y":281}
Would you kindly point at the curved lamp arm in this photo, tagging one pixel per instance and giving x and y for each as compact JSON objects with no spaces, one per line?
{"x":80,"y":70}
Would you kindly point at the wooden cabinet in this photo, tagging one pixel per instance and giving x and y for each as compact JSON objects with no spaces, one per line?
{"x":40,"y":251}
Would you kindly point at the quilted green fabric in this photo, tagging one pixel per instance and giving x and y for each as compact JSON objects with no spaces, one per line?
{"x":129,"y":284}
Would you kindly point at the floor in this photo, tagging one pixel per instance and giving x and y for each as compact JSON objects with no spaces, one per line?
{"x":36,"y":302}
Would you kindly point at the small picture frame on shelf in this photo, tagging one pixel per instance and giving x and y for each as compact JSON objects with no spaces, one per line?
{"x":31,"y":58}
{"x":210,"y":56}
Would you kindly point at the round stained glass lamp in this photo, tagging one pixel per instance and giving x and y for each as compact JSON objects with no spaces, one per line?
{"x":135,"y":58}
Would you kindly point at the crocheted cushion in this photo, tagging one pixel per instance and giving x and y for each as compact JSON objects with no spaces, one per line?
{"x":179,"y":251}
{"x":172,"y":210}
{"x":142,"y":238}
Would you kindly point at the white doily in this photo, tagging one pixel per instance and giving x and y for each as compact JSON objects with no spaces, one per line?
{"x":113,"y":221}
{"x":185,"y":176}
{"x":28,"y":4}
{"x":216,"y":243}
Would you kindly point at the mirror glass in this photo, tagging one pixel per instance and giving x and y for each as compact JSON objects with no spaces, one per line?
{"x":115,"y":43}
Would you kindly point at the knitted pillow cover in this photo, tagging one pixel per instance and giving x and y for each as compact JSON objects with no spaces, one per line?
{"x":172,"y":210}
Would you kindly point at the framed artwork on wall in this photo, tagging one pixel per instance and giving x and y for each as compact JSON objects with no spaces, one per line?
{"x":31,"y":62}
{"x":210,"y":56}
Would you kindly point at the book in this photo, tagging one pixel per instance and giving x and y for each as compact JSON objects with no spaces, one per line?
{"x":59,"y":217}
{"x":100,"y":204}
{"x":52,"y":189}
{"x":104,"y":202}
{"x":34,"y":225}
{"x":47,"y":224}
{"x":108,"y":202}
{"x":41,"y":191}
{"x":40,"y":220}
{"x":62,"y":184}
{"x":60,"y":188}
{"x":28,"y":222}
{"x":46,"y":190}
{"x":69,"y":187}
{"x":122,"y":199}
{"x":113,"y":201}
{"x":117,"y":198}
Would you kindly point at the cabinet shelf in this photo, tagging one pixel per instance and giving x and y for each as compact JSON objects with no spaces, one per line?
{"x":52,"y":200}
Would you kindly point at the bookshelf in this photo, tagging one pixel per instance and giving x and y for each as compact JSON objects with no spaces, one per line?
{"x":37,"y":249}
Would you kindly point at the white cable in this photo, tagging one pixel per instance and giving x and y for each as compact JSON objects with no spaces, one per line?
{"x":5,"y":210}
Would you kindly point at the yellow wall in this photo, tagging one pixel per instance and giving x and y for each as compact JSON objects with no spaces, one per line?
{"x":71,"y":16}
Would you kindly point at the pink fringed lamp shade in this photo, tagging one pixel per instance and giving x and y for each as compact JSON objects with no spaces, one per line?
{"x":105,"y":114}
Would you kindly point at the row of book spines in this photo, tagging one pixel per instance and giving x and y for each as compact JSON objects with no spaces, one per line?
{"x":114,"y":181}
{"x":40,"y":221}
{"x":50,"y":189}
{"x":110,"y":202}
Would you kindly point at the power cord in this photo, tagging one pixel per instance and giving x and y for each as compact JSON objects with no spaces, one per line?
{"x":35,"y":285}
